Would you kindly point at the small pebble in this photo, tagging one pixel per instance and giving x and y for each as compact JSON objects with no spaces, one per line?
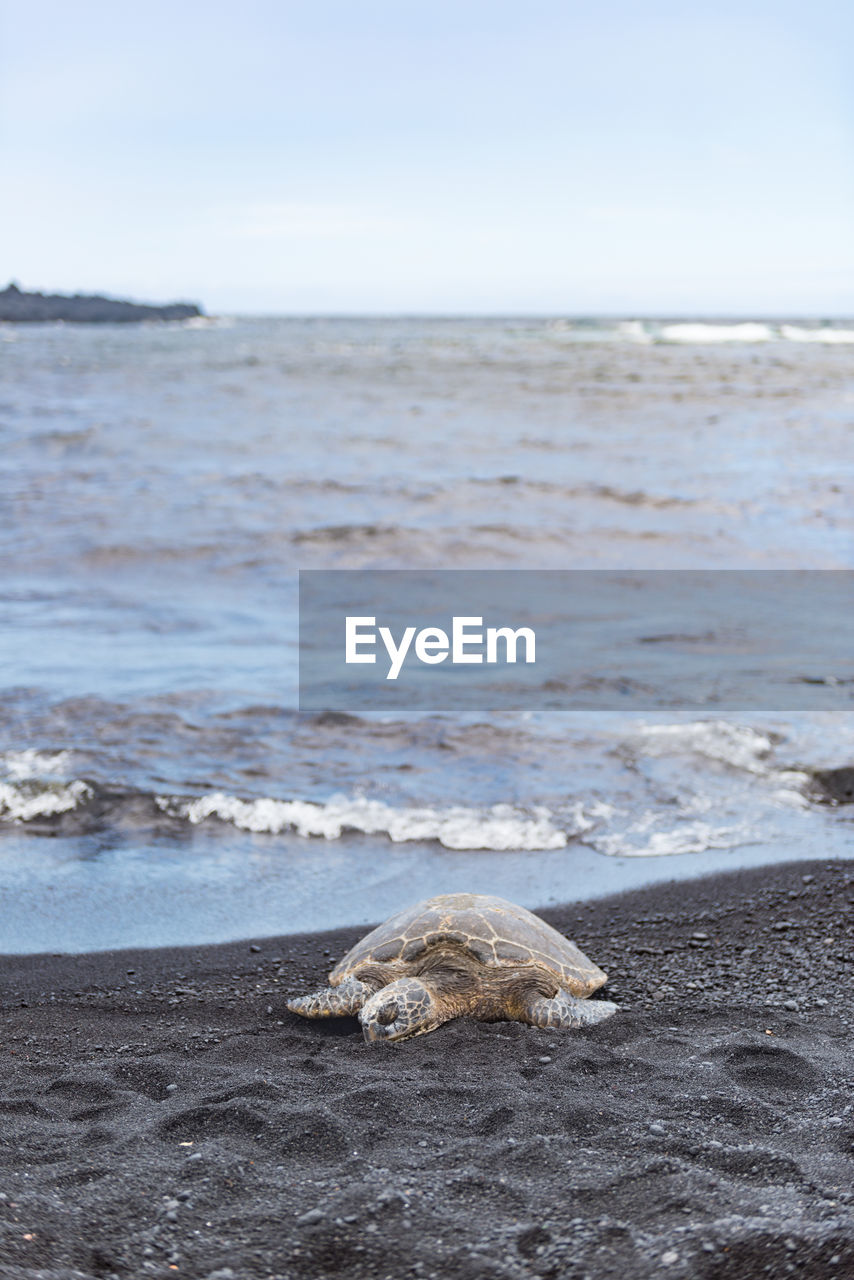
{"x":668,"y":1259}
{"x":171,"y":1088}
{"x":657,"y":1129}
{"x":254,"y":947}
{"x":310,"y":1219}
{"x":792,"y":1005}
{"x":223,"y":1273}
{"x":545,"y":1059}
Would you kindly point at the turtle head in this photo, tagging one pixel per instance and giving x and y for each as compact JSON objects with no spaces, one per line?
{"x":407,"y":1007}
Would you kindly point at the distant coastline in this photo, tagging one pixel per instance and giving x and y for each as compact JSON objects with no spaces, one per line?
{"x":33,"y":308}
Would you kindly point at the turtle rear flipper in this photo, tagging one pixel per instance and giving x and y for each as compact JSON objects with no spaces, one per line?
{"x":564,"y":1010}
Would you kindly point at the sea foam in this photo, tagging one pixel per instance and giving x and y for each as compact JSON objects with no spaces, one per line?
{"x":736,"y":745}
{"x":826,"y":333}
{"x":646,"y":839}
{"x":32,"y":763}
{"x":21,"y":802}
{"x":499,"y":827}
{"x":749,"y":331}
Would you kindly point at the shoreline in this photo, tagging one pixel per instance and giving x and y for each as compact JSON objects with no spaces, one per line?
{"x":272,"y":897}
{"x":166,"y":1115}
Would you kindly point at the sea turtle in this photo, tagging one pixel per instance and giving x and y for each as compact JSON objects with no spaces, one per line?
{"x":462,"y":953}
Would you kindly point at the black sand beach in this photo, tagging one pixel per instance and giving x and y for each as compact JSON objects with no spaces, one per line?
{"x":164,"y":1115}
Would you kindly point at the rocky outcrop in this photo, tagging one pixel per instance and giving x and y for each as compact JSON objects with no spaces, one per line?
{"x":21,"y":308}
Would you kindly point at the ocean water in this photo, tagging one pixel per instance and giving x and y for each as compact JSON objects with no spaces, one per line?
{"x":161,"y":487}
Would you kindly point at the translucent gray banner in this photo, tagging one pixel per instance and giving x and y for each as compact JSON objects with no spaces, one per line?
{"x":720,"y":640}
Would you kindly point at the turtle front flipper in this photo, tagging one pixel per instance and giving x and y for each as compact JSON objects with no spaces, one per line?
{"x":333,"y":1002}
{"x":404,"y":1008}
{"x":564,"y":1010}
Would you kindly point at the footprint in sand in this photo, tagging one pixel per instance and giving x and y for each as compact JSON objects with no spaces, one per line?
{"x":314,"y":1138}
{"x":147,"y":1079}
{"x":771,"y":1069}
{"x":759,"y":1166}
{"x":252,"y":1089}
{"x":22,"y":1107}
{"x":230,"y":1120}
{"x":495,"y":1122}
{"x":81,"y":1099}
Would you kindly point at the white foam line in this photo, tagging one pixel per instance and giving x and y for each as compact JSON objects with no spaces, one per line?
{"x":690,"y":837}
{"x":828,"y":335}
{"x":733,"y":744}
{"x":31,"y":763}
{"x":23,"y":803}
{"x":499,"y":827}
{"x":750,"y":331}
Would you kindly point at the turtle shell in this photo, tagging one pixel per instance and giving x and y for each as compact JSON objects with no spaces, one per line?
{"x":497,"y":932}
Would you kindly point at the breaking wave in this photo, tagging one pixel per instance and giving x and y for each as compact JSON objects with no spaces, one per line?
{"x":827,"y":334}
{"x":500,"y":827}
{"x":700,"y":332}
{"x":737,"y":746}
{"x":732,"y":744}
{"x":23,"y":801}
{"x":640,"y":841}
{"x":678,"y":807}
{"x":31,"y":763}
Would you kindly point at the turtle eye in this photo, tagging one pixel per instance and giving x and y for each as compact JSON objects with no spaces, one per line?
{"x":387,"y":1014}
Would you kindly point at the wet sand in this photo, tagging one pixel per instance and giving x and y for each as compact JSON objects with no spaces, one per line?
{"x":163,"y":1114}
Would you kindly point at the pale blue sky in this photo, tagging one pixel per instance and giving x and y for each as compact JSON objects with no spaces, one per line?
{"x":474,"y":156}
